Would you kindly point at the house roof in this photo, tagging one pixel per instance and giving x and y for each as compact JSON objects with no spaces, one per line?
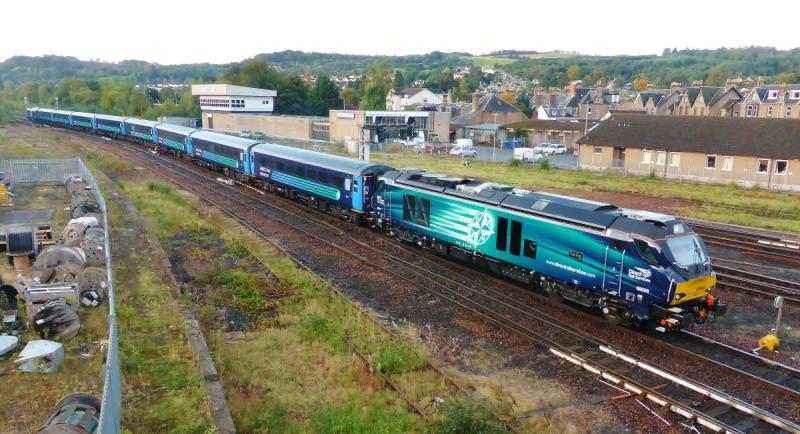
{"x":542,"y":124}
{"x":490,"y":103}
{"x":411,"y":91}
{"x":778,"y":138}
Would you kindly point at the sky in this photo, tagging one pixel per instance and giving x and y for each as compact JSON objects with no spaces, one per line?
{"x":174,"y":32}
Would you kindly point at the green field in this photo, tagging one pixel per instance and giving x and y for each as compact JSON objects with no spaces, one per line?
{"x":482,"y":61}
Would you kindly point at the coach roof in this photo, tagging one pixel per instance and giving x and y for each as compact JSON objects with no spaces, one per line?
{"x":142,"y":122}
{"x":224,"y":139}
{"x":177,"y":129}
{"x":110,"y":118}
{"x":777,"y":138}
{"x":333,"y":162}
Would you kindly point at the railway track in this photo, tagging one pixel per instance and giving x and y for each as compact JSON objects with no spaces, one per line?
{"x":778,"y":247}
{"x":707,"y":406}
{"x":758,"y":284}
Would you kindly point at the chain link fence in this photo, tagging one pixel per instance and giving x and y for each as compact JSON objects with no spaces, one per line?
{"x":57,"y":171}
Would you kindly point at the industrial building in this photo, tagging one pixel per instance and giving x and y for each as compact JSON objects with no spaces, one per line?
{"x":375,"y":126}
{"x":227,"y":98}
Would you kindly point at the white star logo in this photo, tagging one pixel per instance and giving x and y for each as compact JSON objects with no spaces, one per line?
{"x":480,"y":228}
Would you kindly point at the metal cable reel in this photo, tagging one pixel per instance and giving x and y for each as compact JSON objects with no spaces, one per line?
{"x":91,"y":286}
{"x":57,"y":320}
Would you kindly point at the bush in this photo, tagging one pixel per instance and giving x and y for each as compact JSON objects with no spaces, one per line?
{"x":396,"y":359}
{"x":652,"y":175}
{"x":515,"y":163}
{"x":544,"y":164}
{"x":469,"y":416}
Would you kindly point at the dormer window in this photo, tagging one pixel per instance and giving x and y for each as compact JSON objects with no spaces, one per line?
{"x":773,"y":94}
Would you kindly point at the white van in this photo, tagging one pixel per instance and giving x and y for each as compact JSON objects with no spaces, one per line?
{"x":464,"y":143}
{"x":526,"y":155}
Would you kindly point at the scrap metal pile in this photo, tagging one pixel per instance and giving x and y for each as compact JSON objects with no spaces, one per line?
{"x":64,"y":277}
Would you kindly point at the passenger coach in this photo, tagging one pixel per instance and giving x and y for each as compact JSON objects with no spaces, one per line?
{"x":110,"y":124}
{"x":222,"y":151}
{"x":142,"y":130}
{"x":338,"y":185}
{"x":83,"y":120}
{"x":174,"y":137}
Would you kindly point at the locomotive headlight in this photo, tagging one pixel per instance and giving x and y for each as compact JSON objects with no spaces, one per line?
{"x":679,"y":296}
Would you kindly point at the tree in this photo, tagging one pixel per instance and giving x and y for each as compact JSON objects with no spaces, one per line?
{"x":324,"y":96}
{"x":507,"y":97}
{"x":398,"y":82}
{"x":573,"y":72}
{"x":376,"y":86}
{"x":640,"y":84}
{"x":350,"y":98}
{"x":254,"y":73}
{"x":523,"y":102}
{"x":716,"y":76}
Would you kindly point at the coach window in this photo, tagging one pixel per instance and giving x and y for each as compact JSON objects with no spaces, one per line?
{"x":281,"y":166}
{"x":781,"y":167}
{"x":337,"y":181}
{"x":323,"y":178}
{"x":502,"y":234}
{"x":311,"y":174}
{"x":530,"y":249}
{"x":516,"y":237}
{"x":300,"y":171}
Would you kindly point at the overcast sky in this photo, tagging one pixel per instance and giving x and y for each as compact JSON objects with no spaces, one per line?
{"x":171,"y":32}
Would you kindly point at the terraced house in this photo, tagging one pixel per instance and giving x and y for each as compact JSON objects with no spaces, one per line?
{"x":710,"y":101}
{"x":773,"y":101}
{"x":748,"y":152}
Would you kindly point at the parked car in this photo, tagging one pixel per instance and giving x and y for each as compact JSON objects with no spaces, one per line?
{"x":258,"y":135}
{"x":526,"y":155}
{"x":556,"y":149}
{"x":539,"y":149}
{"x":246,"y":134}
{"x":463,"y":151}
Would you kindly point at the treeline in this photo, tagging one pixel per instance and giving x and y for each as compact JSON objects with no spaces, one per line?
{"x":682,"y":66}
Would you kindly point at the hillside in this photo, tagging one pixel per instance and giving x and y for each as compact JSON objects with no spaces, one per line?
{"x":551,"y":69}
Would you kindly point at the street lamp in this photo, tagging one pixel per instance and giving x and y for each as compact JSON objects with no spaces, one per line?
{"x":56,"y":103}
{"x":494,"y":146}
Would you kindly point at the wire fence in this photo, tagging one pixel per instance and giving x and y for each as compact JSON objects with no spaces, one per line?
{"x":57,"y":171}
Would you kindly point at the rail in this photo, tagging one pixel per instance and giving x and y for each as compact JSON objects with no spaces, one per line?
{"x":42,"y":171}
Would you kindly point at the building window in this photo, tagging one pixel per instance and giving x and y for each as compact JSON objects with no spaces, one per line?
{"x":647,"y":156}
{"x":674,"y":159}
{"x":589,"y":110}
{"x":661,"y":157}
{"x":781,"y":167}
{"x":769,"y":111}
{"x":711,"y":161}
{"x":751,"y":111}
{"x":727,"y":164}
{"x":788,"y":112}
{"x":763,"y":165}
{"x":597,"y":150}
{"x":773,"y":94}
{"x":795,"y":94}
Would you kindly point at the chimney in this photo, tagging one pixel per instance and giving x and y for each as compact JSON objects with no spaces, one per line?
{"x":674,"y":86}
{"x":552,"y":99}
{"x":474,"y":102}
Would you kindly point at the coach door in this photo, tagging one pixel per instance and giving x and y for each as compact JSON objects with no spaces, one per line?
{"x":612,"y":273}
{"x":358,"y":193}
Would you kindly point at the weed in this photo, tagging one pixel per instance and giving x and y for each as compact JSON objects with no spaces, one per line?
{"x":354,"y":419}
{"x":544,"y":164}
{"x":652,"y":176}
{"x":514,"y":163}
{"x":395,"y":359}
{"x":469,"y":416}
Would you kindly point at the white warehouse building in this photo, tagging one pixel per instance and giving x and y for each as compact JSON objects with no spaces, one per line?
{"x":227,"y":98}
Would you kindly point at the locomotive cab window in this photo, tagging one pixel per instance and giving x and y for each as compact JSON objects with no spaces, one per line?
{"x":646,"y":251}
{"x":416,"y":210}
{"x":381,"y":186}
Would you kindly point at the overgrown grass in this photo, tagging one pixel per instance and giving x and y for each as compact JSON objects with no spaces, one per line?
{"x":726,"y":203}
{"x":468,"y":416}
{"x":297,"y":373}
